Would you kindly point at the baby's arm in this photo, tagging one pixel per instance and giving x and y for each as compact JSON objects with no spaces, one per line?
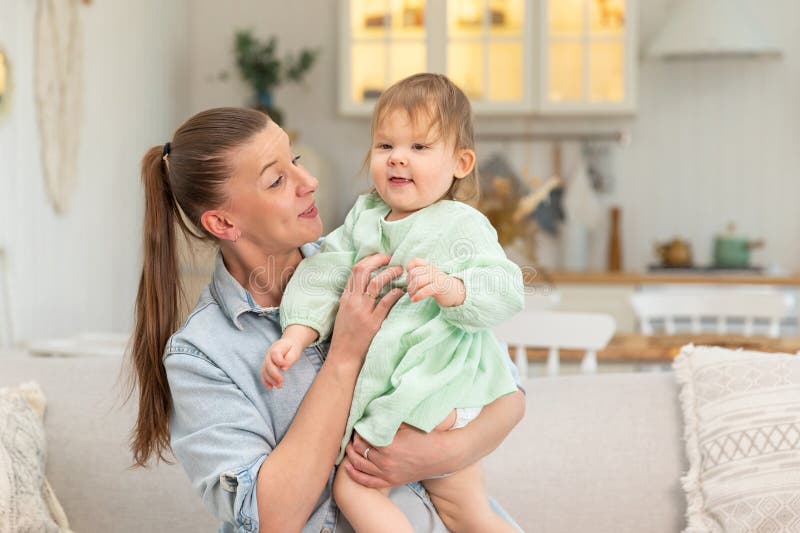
{"x":478,"y":287}
{"x":285,"y":352}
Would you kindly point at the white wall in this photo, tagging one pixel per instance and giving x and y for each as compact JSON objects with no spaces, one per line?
{"x":78,"y":272}
{"x":714,"y":141}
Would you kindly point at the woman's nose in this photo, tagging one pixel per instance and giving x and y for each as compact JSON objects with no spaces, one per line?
{"x":307,"y":182}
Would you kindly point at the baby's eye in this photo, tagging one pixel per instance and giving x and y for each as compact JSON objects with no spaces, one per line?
{"x":276,"y":183}
{"x":419,"y":146}
{"x":384,"y":146}
{"x":295,"y":159}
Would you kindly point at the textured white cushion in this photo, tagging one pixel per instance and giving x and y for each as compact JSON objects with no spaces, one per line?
{"x":27,"y":502}
{"x":742,"y":429}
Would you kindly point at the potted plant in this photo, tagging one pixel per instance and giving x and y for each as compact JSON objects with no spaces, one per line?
{"x":261,"y":67}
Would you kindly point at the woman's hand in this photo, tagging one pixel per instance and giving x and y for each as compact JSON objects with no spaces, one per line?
{"x":361,"y":312}
{"x":412,"y":455}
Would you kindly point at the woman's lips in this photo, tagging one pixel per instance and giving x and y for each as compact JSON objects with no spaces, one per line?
{"x":311,"y":212}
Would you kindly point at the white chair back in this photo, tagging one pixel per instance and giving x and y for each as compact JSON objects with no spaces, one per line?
{"x":557,"y":330}
{"x":717,"y":305}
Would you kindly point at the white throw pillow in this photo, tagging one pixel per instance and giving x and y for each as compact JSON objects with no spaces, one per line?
{"x":27,"y":503}
{"x":742,"y":429}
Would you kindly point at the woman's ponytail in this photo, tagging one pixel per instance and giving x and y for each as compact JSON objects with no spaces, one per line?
{"x":156,"y":311}
{"x":185,"y":178}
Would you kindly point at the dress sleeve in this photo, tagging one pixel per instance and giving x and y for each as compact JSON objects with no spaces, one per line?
{"x":493,"y":283}
{"x":221,"y":453}
{"x":312,"y":295}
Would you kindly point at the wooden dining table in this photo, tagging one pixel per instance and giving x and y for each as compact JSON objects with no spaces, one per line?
{"x":662,"y":348}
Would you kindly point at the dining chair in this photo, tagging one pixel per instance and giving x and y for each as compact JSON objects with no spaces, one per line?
{"x":556,"y":330}
{"x":678,"y":309}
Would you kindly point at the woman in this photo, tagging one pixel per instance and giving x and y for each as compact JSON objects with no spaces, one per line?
{"x":264,"y":459}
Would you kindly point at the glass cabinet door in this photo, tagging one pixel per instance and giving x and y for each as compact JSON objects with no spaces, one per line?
{"x":509,"y":56}
{"x":485,"y":55}
{"x":587,"y":53}
{"x":387,"y":43}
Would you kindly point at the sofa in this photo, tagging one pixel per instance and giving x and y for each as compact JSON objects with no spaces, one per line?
{"x":600,"y":454}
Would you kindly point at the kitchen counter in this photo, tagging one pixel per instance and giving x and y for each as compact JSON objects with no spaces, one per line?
{"x":662,"y":348}
{"x":610,"y":292}
{"x":632,"y":278}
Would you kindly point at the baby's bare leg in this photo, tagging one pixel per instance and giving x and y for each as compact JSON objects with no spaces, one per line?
{"x":368,"y":510}
{"x":462,"y":503}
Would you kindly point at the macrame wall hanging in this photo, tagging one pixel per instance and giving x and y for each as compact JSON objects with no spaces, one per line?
{"x":59,"y":95}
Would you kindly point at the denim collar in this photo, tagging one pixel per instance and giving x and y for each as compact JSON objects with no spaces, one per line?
{"x":235,"y":300}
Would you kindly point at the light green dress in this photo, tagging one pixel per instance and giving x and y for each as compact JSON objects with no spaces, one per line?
{"x":425,"y":360}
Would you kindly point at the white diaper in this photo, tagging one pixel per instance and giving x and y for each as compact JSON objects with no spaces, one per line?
{"x":465,"y":415}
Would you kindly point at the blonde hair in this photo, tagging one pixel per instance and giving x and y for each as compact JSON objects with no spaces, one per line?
{"x":435,"y":98}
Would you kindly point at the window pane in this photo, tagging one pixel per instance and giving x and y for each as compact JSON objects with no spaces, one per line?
{"x":465,"y":17}
{"x":566,"y":71}
{"x":607,"y":17}
{"x":566,"y":17}
{"x":368,"y":70}
{"x":369,"y":18}
{"x":408,"y":18}
{"x":465,"y":68}
{"x":406,"y":59}
{"x":606,"y":72}
{"x":506,"y":17}
{"x":505,"y":72}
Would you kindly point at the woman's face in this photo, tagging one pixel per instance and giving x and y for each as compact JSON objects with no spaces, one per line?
{"x":271,"y":195}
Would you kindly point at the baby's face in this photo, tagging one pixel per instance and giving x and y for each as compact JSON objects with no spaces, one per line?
{"x":411,"y":166}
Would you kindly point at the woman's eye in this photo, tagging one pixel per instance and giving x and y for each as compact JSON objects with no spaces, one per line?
{"x":276,"y":183}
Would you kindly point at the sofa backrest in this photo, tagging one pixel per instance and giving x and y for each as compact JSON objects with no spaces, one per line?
{"x":598,"y":453}
{"x":601,"y":454}
{"x":87,"y":429}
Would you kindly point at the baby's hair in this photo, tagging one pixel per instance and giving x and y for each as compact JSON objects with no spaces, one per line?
{"x":445,"y":107}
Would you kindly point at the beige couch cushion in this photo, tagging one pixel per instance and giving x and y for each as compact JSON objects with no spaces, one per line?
{"x":599,"y":454}
{"x":742,"y":416}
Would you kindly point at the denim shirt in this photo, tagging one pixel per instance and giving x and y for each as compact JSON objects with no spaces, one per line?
{"x":224,"y":421}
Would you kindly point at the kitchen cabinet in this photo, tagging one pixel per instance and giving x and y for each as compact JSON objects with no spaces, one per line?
{"x":587,"y":56}
{"x":509,"y":56}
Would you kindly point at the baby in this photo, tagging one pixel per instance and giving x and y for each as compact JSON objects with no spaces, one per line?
{"x":434,"y":352}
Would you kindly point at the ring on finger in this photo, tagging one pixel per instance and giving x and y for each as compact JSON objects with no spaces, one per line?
{"x":366,"y":452}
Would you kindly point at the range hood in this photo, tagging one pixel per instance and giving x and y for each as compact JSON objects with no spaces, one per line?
{"x":710,"y":28}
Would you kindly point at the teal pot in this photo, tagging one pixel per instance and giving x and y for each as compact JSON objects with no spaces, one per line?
{"x":733,"y":252}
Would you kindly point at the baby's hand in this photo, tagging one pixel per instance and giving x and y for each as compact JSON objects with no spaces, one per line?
{"x":425,"y":280}
{"x":281,"y":356}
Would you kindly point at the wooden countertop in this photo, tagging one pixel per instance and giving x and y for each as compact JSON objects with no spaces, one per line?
{"x":635,"y":347}
{"x":632,"y":278}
